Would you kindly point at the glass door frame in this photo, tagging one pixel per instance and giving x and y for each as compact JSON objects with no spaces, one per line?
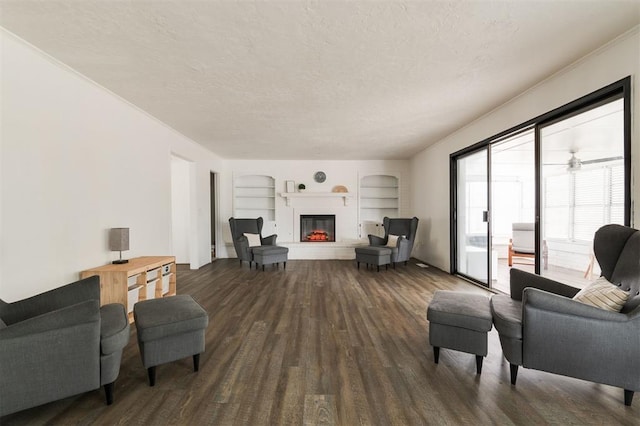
{"x":454,"y":212}
{"x":619,"y":89}
{"x":474,"y":149}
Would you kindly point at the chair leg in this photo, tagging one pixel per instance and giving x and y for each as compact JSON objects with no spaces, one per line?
{"x":196,"y":362}
{"x":628,"y":397}
{"x":358,"y":263}
{"x":284,"y":265}
{"x":478,"y":364}
{"x":263,"y":267}
{"x":108,"y":391}
{"x":151,"y":371}
{"x":514,"y":373}
{"x":378,"y":268}
{"x":436,"y":353}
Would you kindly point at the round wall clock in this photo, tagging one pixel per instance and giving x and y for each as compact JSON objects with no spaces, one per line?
{"x":319,"y":177}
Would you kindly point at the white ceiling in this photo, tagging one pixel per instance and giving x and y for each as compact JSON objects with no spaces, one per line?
{"x":317,"y":80}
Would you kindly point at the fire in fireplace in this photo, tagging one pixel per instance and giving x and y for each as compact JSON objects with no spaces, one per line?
{"x":317,"y":227}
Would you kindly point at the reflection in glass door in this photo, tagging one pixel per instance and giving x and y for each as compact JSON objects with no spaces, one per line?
{"x":472,"y":222}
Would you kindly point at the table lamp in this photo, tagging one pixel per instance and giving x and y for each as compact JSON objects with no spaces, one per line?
{"x":119,"y":241}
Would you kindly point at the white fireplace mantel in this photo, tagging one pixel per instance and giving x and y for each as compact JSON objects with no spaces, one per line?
{"x":289,"y":195}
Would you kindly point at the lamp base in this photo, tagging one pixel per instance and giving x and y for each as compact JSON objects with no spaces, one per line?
{"x":117,"y":262}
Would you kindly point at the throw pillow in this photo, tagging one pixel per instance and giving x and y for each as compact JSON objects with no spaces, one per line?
{"x":392,"y":241}
{"x":604,"y":295}
{"x":254,"y":239}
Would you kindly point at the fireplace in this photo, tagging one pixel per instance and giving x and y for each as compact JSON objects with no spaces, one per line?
{"x":317,"y":228}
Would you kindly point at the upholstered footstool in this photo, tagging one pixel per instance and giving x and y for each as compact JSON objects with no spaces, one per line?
{"x":169,"y":329}
{"x":459,"y":321}
{"x":373,"y":255}
{"x":268,"y":255}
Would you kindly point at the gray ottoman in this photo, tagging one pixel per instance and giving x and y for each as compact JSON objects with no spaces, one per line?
{"x":373,"y":255}
{"x":459,"y":321}
{"x":268,"y":255}
{"x":169,"y":329}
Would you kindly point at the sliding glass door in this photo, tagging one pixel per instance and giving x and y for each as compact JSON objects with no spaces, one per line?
{"x":532,"y":197}
{"x":472,"y":222}
{"x":495,"y":190}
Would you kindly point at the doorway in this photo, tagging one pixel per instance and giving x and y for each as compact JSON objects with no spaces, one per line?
{"x":512,"y":206}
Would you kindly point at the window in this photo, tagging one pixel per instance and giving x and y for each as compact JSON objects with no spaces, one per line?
{"x":577,"y":204}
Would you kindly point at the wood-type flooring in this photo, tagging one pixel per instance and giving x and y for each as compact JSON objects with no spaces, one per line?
{"x":323,"y":343}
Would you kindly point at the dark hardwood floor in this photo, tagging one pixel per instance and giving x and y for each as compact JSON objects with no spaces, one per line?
{"x":325,"y":343}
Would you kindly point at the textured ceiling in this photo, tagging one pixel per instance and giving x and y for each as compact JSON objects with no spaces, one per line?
{"x":317,"y":80}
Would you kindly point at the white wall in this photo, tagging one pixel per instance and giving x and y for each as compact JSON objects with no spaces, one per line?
{"x":76,"y":160}
{"x":180,"y":208}
{"x":430,"y":169}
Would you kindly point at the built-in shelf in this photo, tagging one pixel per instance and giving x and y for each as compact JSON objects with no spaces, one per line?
{"x":289,"y":195}
{"x":254,"y":195}
{"x":379,"y":197}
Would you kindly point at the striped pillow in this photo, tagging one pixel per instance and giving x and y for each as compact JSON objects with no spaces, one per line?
{"x":604,"y":295}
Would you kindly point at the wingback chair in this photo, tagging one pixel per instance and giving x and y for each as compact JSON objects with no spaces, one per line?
{"x":239,"y":227}
{"x":405,"y":231}
{"x":58,"y":344}
{"x":543,"y":328}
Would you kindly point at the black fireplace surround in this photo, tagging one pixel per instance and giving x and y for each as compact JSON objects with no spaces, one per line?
{"x":317,"y":228}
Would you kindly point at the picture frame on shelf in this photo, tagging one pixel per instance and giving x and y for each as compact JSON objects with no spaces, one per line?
{"x":290,"y":186}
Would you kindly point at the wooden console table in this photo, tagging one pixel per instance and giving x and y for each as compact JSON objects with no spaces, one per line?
{"x":142,"y":278}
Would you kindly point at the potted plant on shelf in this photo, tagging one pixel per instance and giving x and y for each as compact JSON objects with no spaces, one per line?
{"x":301,"y":187}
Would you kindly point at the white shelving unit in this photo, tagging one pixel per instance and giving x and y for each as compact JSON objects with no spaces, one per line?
{"x":379,"y":196}
{"x":254,"y":196}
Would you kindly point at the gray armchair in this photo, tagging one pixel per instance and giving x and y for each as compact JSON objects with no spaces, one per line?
{"x":58,"y":344}
{"x":249,"y":226}
{"x":406,"y":230}
{"x":541,"y":327}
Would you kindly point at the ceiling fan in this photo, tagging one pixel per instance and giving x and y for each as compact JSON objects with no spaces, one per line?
{"x":576,"y":163}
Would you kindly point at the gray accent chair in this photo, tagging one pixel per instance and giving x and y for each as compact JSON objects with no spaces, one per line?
{"x":542,"y":328}
{"x":58,"y":344}
{"x":250,"y":226}
{"x":406,"y":228}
